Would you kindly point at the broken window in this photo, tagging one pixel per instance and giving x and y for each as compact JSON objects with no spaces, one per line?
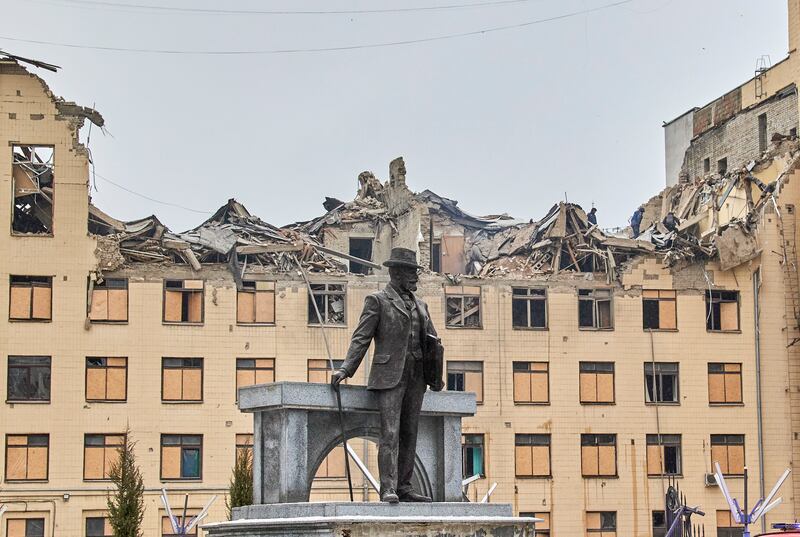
{"x":472,"y":455}
{"x":251,"y":371}
{"x":362,"y":249}
{"x":659,"y":310}
{"x":106,"y":379}
{"x":27,"y":457}
{"x":183,"y":301}
{"x":594,"y":309}
{"x":100,"y":453}
{"x":109,"y":300}
{"x":330,"y":300}
{"x":663,"y":454}
{"x":98,"y":526}
{"x":707,"y":165}
{"x":728,"y":451}
{"x":722,"y":311}
{"x":596,"y":382}
{"x":722,"y":166}
{"x":659,"y":524}
{"x":724,"y":384}
{"x":661,"y":382}
{"x":762,"y":132}
{"x":531,"y":382}
{"x":601,"y":523}
{"x":28,"y":378}
{"x":726,"y":526}
{"x":30,"y":298}
{"x":182,"y":379}
{"x":465,"y":377}
{"x":333,"y":465}
{"x":244,"y":445}
{"x":528,"y":308}
{"x":168,"y":531}
{"x":463,"y":306}
{"x":532,"y":455}
{"x":25,"y":527}
{"x":598,"y":455}
{"x":255,"y":303}
{"x":319,"y":371}
{"x":436,"y":255}
{"x":33,"y":187}
{"x":181,"y":456}
{"x":453,"y":259}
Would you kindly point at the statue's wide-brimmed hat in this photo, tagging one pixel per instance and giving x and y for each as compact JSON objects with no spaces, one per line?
{"x":402,"y":257}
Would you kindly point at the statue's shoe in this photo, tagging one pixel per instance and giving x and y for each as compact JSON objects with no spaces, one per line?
{"x":412,"y":496}
{"x":390,"y":496}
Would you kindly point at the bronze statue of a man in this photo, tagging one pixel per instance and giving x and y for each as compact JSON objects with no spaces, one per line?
{"x":407,"y":359}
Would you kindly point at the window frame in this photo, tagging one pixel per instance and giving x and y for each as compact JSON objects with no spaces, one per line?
{"x":366,"y":270}
{"x":529,"y":372}
{"x":601,"y":530}
{"x":254,"y":369}
{"x":328,"y":370}
{"x":711,"y":299}
{"x":182,"y":368}
{"x":103,"y":286}
{"x":463,"y":372}
{"x":89,"y":517}
{"x":28,"y":367}
{"x":105,"y":446}
{"x":326,"y":292}
{"x":532,"y":440}
{"x":450,"y":293}
{"x":105,"y":367}
{"x":585,"y":364}
{"x":656,"y":386}
{"x":727,"y":445}
{"x":181,"y":444}
{"x":243,"y":446}
{"x":527,"y":299}
{"x":255,"y":291}
{"x":595,"y":439}
{"x":659,"y":441}
{"x":31,"y":284}
{"x":184,"y":291}
{"x":466,"y":445}
{"x":28,"y":445}
{"x":10,"y":517}
{"x":544,"y":531}
{"x":594,"y":298}
{"x":724,"y":375}
{"x":658,"y":300}
{"x":52,"y":166}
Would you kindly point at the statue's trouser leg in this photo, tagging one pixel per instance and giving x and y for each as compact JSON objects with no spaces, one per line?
{"x":390,"y":404}
{"x":409,"y":423}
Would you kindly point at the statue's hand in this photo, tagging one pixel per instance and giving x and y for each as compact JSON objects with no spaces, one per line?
{"x":338,"y":376}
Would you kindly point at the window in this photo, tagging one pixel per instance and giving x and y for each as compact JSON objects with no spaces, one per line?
{"x":28,"y":379}
{"x":597,"y":382}
{"x":27,"y":457}
{"x":661,"y":382}
{"x":531,"y":382}
{"x":255,"y":303}
{"x":472,"y":455}
{"x":707,"y":165}
{"x":183,"y":301}
{"x":34,"y":194}
{"x":599,"y":455}
{"x":453,"y":260}
{"x":181,"y":379}
{"x":30,"y":298}
{"x":664,"y":454}
{"x":528,"y":308}
{"x":319,"y":371}
{"x":466,"y":377}
{"x":244,"y":444}
{"x":724,"y":384}
{"x":594,"y":309}
{"x":100,"y":452}
{"x":532,"y":455}
{"x":722,"y":311}
{"x":362,"y":249}
{"x":181,"y":456}
{"x":601,"y":523}
{"x":109,"y":301}
{"x":98,"y":526}
{"x":659,"y":524}
{"x":436,"y":255}
{"x":463,"y":306}
{"x":762,"y":132}
{"x":166,"y":526}
{"x":722,"y":166}
{"x":25,"y":527}
{"x":728,"y":451}
{"x":543,"y":527}
{"x":658,"y":310}
{"x":330,"y":299}
{"x":251,"y":371}
{"x":106,"y":379}
{"x":727,"y":527}
{"x":333,"y":465}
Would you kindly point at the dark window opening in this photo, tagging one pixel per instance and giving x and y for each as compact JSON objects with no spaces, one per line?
{"x":33,"y":187}
{"x":28,"y":378}
{"x":472,"y":455}
{"x":594,"y":309}
{"x":722,"y":166}
{"x":361,"y":248}
{"x":659,"y":524}
{"x":436,"y":256}
{"x":706,"y":165}
{"x":661,"y":382}
{"x":722,"y":311}
{"x":529,"y":308}
{"x":664,"y":454}
{"x":330,"y":299}
{"x":762,"y":132}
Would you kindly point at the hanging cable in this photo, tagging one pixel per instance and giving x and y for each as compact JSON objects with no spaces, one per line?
{"x":106,"y":179}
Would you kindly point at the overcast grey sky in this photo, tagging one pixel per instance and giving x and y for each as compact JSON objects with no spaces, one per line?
{"x":506,"y":121}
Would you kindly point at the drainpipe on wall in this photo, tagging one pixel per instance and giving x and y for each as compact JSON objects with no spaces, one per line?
{"x":757,"y":334}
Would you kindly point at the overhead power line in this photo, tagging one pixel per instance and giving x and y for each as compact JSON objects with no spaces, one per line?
{"x":321,"y":49}
{"x":126,"y":189}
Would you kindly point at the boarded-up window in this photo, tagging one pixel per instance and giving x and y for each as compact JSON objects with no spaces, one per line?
{"x":183,"y":301}
{"x":472,"y":455}
{"x":531,"y":382}
{"x":330,"y":299}
{"x":25,"y":527}
{"x":100,"y":453}
{"x":724,"y":383}
{"x":466,"y":377}
{"x":722,"y":311}
{"x":601,"y":523}
{"x":463,"y":306}
{"x":333,"y":465}
{"x":597,"y":382}
{"x":532,"y":455}
{"x":109,"y":301}
{"x":728,"y":451}
{"x":30,"y":298}
{"x":98,"y":526}
{"x":362,"y":249}
{"x":661,"y":382}
{"x":599,"y":455}
{"x":251,"y":371}
{"x":659,"y":310}
{"x":27,"y":457}
{"x":543,"y":527}
{"x":181,"y":456}
{"x":664,"y":454}
{"x":255,"y":303}
{"x":244,"y":445}
{"x":319,"y":371}
{"x":28,"y":378}
{"x":727,"y":526}
{"x":33,"y":187}
{"x":182,"y":379}
{"x":528,"y":308}
{"x":106,"y":379}
{"x":453,"y":258}
{"x":659,"y":519}
{"x":167,"y":530}
{"x":595,"y":309}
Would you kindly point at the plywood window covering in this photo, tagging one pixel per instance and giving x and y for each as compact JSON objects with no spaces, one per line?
{"x":728,"y":451}
{"x":597,"y":383}
{"x":661,"y":383}
{"x":98,"y":526}
{"x":106,"y":379}
{"x":30,"y":298}
{"x":601,"y":524}
{"x":25,"y":527}
{"x":244,"y":445}
{"x":34,"y":190}
{"x":543,"y":527}
{"x":100,"y":453}
{"x":28,"y":379}
{"x":27,"y":457}
{"x":599,"y":455}
{"x":724,"y":383}
{"x":319,"y":371}
{"x":255,"y":303}
{"x":462,"y":306}
{"x":181,"y":456}
{"x":595,"y":309}
{"x":726,"y":526}
{"x":183,"y":301}
{"x":466,"y":377}
{"x":528,"y":308}
{"x":453,"y":257}
{"x":659,"y":310}
{"x":333,"y":465}
{"x":531,"y":382}
{"x":331,"y":299}
{"x":659,"y":519}
{"x":182,"y":379}
{"x":472,"y":455}
{"x":251,"y":371}
{"x":664,"y":454}
{"x":532,"y":455}
{"x":110,"y":301}
{"x":722,"y":311}
{"x":166,"y":525}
